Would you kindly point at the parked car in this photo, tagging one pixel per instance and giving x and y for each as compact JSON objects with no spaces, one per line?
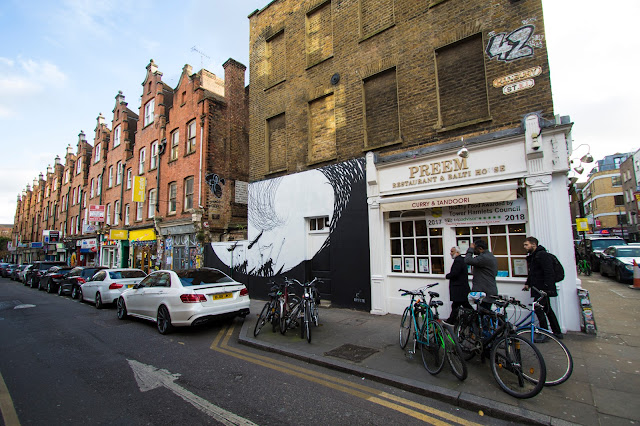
{"x":617,"y":261}
{"x":184,"y":298}
{"x":38,"y":269}
{"x":9,"y":270}
{"x":592,"y":247}
{"x":79,"y":275}
{"x":106,"y":286}
{"x":22,"y":277}
{"x":15,"y":274}
{"x":3,"y":267}
{"x":51,"y":280}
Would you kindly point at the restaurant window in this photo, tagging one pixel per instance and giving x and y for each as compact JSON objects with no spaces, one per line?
{"x":505,"y":242}
{"x":415,"y":247}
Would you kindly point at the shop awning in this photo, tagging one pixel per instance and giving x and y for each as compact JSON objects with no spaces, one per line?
{"x":470,"y":194}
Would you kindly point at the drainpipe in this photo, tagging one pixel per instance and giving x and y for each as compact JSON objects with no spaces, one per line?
{"x":200,"y":169}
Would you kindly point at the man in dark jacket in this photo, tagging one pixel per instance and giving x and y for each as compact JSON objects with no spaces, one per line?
{"x":485,"y":270}
{"x":458,"y":285}
{"x":541,"y":277}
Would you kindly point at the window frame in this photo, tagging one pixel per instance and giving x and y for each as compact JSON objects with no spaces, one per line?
{"x":173,"y":198}
{"x":188,"y":196}
{"x":149,"y":111}
{"x":142,"y":158}
{"x":116,"y":136}
{"x":192,"y":131}
{"x":175,"y":144}
{"x":96,"y":152}
{"x":152,"y":198}
{"x":153,"y":158}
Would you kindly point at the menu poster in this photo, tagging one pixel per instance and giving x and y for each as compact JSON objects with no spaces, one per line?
{"x":409,"y":264}
{"x":396,"y":264}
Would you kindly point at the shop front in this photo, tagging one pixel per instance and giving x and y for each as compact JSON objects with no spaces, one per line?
{"x":88,"y":251}
{"x":143,"y":251}
{"x":110,"y":253}
{"x":181,"y":247}
{"x":423,"y":203}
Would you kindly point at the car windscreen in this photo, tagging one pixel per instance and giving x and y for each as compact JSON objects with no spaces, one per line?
{"x":44,"y":266}
{"x":202,"y":277}
{"x":628,"y":252}
{"x":604,"y":243}
{"x":116,"y":275}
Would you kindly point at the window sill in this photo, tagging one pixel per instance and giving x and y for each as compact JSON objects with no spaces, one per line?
{"x":172,"y":160}
{"x":153,"y":168}
{"x":384,"y":145}
{"x":318,"y":62}
{"x":272,"y":85}
{"x":189,"y":153}
{"x":440,"y":128}
{"x":172,"y":214}
{"x":147,"y":125}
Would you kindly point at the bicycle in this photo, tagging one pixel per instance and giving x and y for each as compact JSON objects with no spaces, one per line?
{"x":557,"y":357}
{"x":269,"y":312}
{"x":307,"y":310}
{"x":436,"y":343}
{"x":287,"y":303}
{"x":516,"y":364}
{"x":584,"y":267}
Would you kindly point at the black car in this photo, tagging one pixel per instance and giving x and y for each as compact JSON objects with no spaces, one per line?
{"x":592,"y":247}
{"x":39,"y":268}
{"x":79,"y":275}
{"x":617,"y":261}
{"x":51,"y":280}
{"x":3,"y":268}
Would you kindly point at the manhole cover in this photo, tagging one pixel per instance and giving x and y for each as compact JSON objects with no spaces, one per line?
{"x":351,"y":352}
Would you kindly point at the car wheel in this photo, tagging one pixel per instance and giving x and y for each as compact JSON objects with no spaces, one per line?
{"x":80,"y":298}
{"x":618,"y":275}
{"x":74,"y":292}
{"x":164,"y":320}
{"x":121,"y":309}
{"x":99,"y":304}
{"x":49,"y":288}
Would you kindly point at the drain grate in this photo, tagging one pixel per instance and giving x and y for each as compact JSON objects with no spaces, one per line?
{"x":351,"y":352}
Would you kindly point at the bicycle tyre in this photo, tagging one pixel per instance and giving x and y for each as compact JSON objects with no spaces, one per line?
{"x":262,"y":319}
{"x":314,"y":313}
{"x":455,"y":359}
{"x":466,"y":337}
{"x":433,"y":352}
{"x":282,"y":317}
{"x":514,"y":362}
{"x":557,"y":358}
{"x":307,"y":320}
{"x":275,"y":316}
{"x":405,"y":327}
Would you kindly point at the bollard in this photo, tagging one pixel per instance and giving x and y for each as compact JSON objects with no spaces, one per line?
{"x":636,"y":275}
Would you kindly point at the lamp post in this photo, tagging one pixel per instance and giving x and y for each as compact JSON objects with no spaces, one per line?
{"x":620,"y":220}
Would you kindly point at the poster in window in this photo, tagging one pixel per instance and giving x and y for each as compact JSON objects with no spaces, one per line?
{"x":519,"y":267}
{"x":396,"y":264}
{"x":409,"y":264}
{"x":464,"y":246}
{"x":423,"y":266}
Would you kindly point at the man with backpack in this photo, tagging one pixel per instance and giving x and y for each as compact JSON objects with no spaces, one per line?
{"x":544,"y":272}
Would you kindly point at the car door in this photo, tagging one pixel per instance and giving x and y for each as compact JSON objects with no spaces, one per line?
{"x":136,"y":296}
{"x":606,"y":264}
{"x":90,"y":288}
{"x":157,"y":292}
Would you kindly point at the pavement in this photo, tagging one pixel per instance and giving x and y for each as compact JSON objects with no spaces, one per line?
{"x":604,"y":388}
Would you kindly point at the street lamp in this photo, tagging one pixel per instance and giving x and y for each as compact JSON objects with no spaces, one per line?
{"x":587,"y":158}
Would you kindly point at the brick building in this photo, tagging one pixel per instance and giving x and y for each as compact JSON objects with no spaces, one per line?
{"x":365,"y":114}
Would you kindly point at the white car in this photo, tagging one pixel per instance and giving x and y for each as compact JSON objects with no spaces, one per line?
{"x":184,"y":298}
{"x":106,"y":285}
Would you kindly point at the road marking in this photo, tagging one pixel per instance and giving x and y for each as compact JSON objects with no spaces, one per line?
{"x":361,"y":391}
{"x":26,"y":305}
{"x":9,"y":414}
{"x":149,"y":377}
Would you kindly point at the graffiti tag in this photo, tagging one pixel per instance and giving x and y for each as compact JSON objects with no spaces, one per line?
{"x":214,"y":182}
{"x":517,"y":44}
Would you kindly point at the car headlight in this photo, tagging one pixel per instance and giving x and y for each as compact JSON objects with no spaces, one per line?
{"x":629,"y":267}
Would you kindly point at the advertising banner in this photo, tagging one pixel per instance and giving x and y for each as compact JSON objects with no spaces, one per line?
{"x":504,"y":212}
{"x":582,"y":225}
{"x":96,"y":213}
{"x":89,"y":228}
{"x":118,"y":234}
{"x":139,"y":188}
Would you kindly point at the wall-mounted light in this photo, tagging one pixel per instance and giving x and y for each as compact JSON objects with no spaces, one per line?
{"x":463,"y":152}
{"x":587,"y":158}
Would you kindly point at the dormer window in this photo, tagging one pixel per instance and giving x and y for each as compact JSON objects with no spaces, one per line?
{"x":116,"y":136}
{"x":97,"y":154}
{"x":148,"y":111}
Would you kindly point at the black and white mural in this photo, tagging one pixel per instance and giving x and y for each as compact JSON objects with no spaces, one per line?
{"x":304,"y":225}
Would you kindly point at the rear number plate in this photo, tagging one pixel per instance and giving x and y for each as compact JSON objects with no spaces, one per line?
{"x":130,"y":285}
{"x":220,"y":296}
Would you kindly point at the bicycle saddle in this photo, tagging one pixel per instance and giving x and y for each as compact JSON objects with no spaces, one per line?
{"x":436,"y":303}
{"x":434,"y":294}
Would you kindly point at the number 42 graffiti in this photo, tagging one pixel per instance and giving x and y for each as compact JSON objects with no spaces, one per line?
{"x":512,"y":46}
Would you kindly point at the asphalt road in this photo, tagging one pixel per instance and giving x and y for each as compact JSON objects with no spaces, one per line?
{"x":65,"y":362}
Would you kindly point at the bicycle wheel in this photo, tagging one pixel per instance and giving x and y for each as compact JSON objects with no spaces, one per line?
{"x":262,"y":319}
{"x":467,"y":337}
{"x":405,"y":327}
{"x":454,"y":355}
{"x":587,"y":268}
{"x":557,"y":357}
{"x":433,"y":348}
{"x":282,"y":316}
{"x":307,"y":320}
{"x":314,"y":313}
{"x":275,"y":316}
{"x":518,"y":366}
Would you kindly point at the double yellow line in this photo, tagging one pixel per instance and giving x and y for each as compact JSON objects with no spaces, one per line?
{"x":402,"y":405}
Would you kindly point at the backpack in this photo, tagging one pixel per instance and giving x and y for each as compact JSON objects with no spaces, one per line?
{"x":558,"y":270}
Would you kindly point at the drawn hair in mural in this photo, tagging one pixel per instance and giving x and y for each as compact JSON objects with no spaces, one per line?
{"x":262,"y":211}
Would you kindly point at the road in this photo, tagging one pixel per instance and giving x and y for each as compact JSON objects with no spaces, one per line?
{"x":65,"y":362}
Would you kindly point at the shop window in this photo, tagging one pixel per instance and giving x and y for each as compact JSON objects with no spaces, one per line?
{"x":462,"y":86}
{"x":382,"y":124}
{"x":375,"y":16}
{"x":319,"y":34}
{"x":505,"y":242}
{"x":415,"y":248}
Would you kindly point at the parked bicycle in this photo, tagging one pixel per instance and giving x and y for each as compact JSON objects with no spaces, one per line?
{"x":584,"y":267}
{"x":305,"y":313}
{"x":516,"y":363}
{"x":436,"y":343}
{"x":557,"y":357}
{"x":287,"y":303}
{"x":270,"y":311}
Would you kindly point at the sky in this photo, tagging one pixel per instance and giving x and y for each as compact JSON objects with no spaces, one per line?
{"x":62,"y":62}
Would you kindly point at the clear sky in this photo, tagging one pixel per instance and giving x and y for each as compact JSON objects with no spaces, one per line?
{"x":62,"y":63}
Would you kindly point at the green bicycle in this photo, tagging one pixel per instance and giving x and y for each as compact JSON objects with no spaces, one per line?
{"x":584,"y":267}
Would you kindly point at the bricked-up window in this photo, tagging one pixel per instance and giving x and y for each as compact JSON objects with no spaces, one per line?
{"x":96,"y":151}
{"x":148,"y":112}
{"x":276,"y":58}
{"x":154,"y":155}
{"x":79,"y":166}
{"x":152,"y":203}
{"x":173,"y":194}
{"x":319,"y":34}
{"x":276,"y":143}
{"x":382,"y":125}
{"x":116,"y":212}
{"x":191,"y":136}
{"x":116,"y":136}
{"x":175,"y":141}
{"x":126,"y":214}
{"x":188,"y":193}
{"x":462,"y":87}
{"x":375,"y":16}
{"x":322,"y":131}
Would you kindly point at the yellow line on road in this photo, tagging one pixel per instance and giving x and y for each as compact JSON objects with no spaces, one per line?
{"x":336,"y":383}
{"x":9,"y":414}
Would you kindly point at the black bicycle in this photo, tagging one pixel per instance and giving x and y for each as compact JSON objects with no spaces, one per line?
{"x":270,"y":310}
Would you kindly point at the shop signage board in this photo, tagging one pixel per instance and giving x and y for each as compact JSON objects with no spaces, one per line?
{"x":88,"y":245}
{"x":139,"y":188}
{"x":242,"y":192}
{"x":429,"y":173}
{"x":148,"y":234}
{"x":89,"y":228}
{"x":96,"y":213}
{"x":118,"y":234}
{"x":504,"y":212}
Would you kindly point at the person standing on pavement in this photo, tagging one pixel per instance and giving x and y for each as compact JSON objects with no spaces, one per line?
{"x":485,"y":270}
{"x":458,"y":285}
{"x":542,"y":277}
